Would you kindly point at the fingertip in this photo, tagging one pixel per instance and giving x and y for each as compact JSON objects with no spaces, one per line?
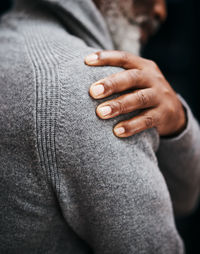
{"x":119,"y":131}
{"x":98,"y":113}
{"x":97,"y":91}
{"x":91,"y":59}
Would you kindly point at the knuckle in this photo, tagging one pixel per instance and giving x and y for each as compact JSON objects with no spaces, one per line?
{"x":134,"y":74}
{"x":149,"y":121}
{"x":159,"y":78}
{"x":110,"y":85}
{"x":142,"y":98}
{"x":166,"y":91}
{"x":124,"y":58}
{"x":152,"y":64}
{"x":119,"y":106}
{"x":171,"y":109}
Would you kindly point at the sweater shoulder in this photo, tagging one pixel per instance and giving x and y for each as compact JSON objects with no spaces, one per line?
{"x":60,"y":83}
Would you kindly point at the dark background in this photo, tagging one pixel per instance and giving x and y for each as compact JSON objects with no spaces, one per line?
{"x":175,"y":49}
{"x":5,"y":5}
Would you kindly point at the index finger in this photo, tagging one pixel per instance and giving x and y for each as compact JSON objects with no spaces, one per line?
{"x":122,"y":59}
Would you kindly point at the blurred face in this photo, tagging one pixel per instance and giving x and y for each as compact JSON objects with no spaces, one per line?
{"x":131,"y":22}
{"x":149,"y":14}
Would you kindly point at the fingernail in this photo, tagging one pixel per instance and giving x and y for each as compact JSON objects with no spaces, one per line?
{"x":119,"y":131}
{"x":97,"y":90}
{"x":104,"y":111}
{"x":91,"y":59}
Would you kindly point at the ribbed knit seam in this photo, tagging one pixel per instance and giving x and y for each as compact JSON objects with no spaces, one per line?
{"x":47,"y":85}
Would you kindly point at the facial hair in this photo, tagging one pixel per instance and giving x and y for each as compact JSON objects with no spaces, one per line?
{"x":124,"y":31}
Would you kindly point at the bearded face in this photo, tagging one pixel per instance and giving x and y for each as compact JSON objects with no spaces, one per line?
{"x":130,"y":22}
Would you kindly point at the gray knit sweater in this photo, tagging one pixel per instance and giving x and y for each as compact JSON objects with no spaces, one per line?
{"x":67,"y":184}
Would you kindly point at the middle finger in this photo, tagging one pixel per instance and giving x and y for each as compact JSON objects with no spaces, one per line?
{"x":119,"y":82}
{"x":140,"y":99}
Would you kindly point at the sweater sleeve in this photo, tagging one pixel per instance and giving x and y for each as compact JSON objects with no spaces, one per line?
{"x":111,"y":191}
{"x":179,"y":161}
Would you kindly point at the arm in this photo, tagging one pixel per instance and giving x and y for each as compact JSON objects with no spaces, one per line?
{"x":162,"y":109}
{"x":112,"y":193}
{"x":179,"y":160}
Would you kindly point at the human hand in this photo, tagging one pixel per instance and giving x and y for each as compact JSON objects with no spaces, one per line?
{"x":150,"y":93}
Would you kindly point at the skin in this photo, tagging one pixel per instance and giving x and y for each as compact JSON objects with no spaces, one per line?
{"x":155,"y":10}
{"x":150,"y":91}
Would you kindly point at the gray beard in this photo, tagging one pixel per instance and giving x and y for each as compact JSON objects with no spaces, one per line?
{"x":125,"y":35}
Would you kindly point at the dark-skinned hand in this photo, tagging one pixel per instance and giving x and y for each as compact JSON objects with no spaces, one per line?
{"x":150,"y":92}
